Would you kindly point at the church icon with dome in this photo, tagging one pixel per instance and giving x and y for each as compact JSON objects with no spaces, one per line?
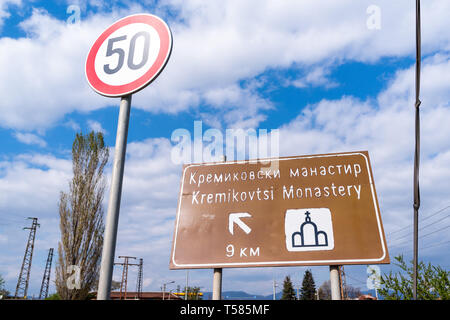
{"x":309,"y":229}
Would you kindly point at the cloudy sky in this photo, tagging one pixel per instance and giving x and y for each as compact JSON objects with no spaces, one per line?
{"x":331,"y":76}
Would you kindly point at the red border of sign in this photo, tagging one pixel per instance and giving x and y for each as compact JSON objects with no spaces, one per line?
{"x":163,"y":56}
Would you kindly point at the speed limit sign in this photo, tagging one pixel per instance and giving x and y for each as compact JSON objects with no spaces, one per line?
{"x":124,"y":59}
{"x":128,"y":55}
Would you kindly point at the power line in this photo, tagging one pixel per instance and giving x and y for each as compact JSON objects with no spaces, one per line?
{"x":430,"y":246}
{"x":357,"y":280}
{"x":435,"y":245}
{"x":422,"y":219}
{"x":422,"y":236}
{"x":435,"y":231}
{"x":430,"y":224}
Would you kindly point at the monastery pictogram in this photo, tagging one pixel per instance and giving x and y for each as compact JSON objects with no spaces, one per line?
{"x":309,"y":235}
{"x":308,"y":229}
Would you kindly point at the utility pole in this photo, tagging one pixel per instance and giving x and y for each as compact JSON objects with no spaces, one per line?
{"x":123,"y":283}
{"x":187,"y":284}
{"x":274,"y":286}
{"x":46,"y":279}
{"x":164,"y":288}
{"x":342,"y":283}
{"x":416,"y":192}
{"x":24,"y":276}
{"x":139,"y":279}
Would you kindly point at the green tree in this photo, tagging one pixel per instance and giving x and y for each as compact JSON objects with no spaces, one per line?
{"x":193,"y":293}
{"x":308,"y":290}
{"x":81,"y":219}
{"x":288,"y":289}
{"x":432,"y":282}
{"x":53,"y":296}
{"x":3,"y":292}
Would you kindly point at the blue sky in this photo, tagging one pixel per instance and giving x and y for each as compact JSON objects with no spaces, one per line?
{"x":318,"y":71}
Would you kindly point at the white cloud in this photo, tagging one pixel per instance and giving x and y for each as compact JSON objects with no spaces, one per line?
{"x":217,"y":45}
{"x":30,"y":184}
{"x":45,"y":72}
{"x":30,"y":138}
{"x":73,"y":125}
{"x":5,"y":7}
{"x":317,"y":77}
{"x":96,"y":126}
{"x":277,"y":34}
{"x":385,"y":127}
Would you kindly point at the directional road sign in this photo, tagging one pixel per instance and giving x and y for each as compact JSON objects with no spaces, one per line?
{"x":305,"y":210}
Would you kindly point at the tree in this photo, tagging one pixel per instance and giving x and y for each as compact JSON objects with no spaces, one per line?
{"x":325,"y":291}
{"x":81,"y":219}
{"x":352,"y":292}
{"x":53,"y":296}
{"x":432,"y":282}
{"x":3,"y":292}
{"x":288,"y":289}
{"x":308,"y":290}
{"x":193,"y":293}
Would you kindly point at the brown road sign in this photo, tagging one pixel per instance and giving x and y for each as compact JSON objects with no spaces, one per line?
{"x":306,"y":210}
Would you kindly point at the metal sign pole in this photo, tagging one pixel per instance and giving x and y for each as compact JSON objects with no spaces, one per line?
{"x":334,"y":283}
{"x":112,"y":218}
{"x":217,"y":279}
{"x":217,"y":284}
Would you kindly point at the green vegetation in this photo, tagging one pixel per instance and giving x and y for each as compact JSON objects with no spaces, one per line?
{"x":432,"y":282}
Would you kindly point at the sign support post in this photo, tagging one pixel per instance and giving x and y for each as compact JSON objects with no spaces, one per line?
{"x":217,"y":284}
{"x":334,"y":283}
{"x":112,"y":218}
{"x":217,"y":279}
{"x":109,"y":75}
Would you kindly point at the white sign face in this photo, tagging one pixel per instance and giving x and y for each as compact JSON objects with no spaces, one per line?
{"x":308,"y":229}
{"x":128,"y":55}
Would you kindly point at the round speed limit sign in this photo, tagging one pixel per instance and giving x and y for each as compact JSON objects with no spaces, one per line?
{"x":128,"y":55}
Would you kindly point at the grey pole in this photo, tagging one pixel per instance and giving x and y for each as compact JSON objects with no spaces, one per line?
{"x":274,"y":289}
{"x":416,"y":204}
{"x":187,"y":282}
{"x":115,"y":193}
{"x":334,"y":283}
{"x":217,"y":284}
{"x":217,"y":279}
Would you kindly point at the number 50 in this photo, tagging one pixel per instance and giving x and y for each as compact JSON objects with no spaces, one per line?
{"x":121,"y":53}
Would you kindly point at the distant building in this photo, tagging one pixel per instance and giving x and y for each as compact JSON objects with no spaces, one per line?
{"x":366,"y":297}
{"x":115,"y":295}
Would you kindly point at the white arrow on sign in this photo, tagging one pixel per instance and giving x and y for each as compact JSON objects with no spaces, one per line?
{"x":236,"y":218}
